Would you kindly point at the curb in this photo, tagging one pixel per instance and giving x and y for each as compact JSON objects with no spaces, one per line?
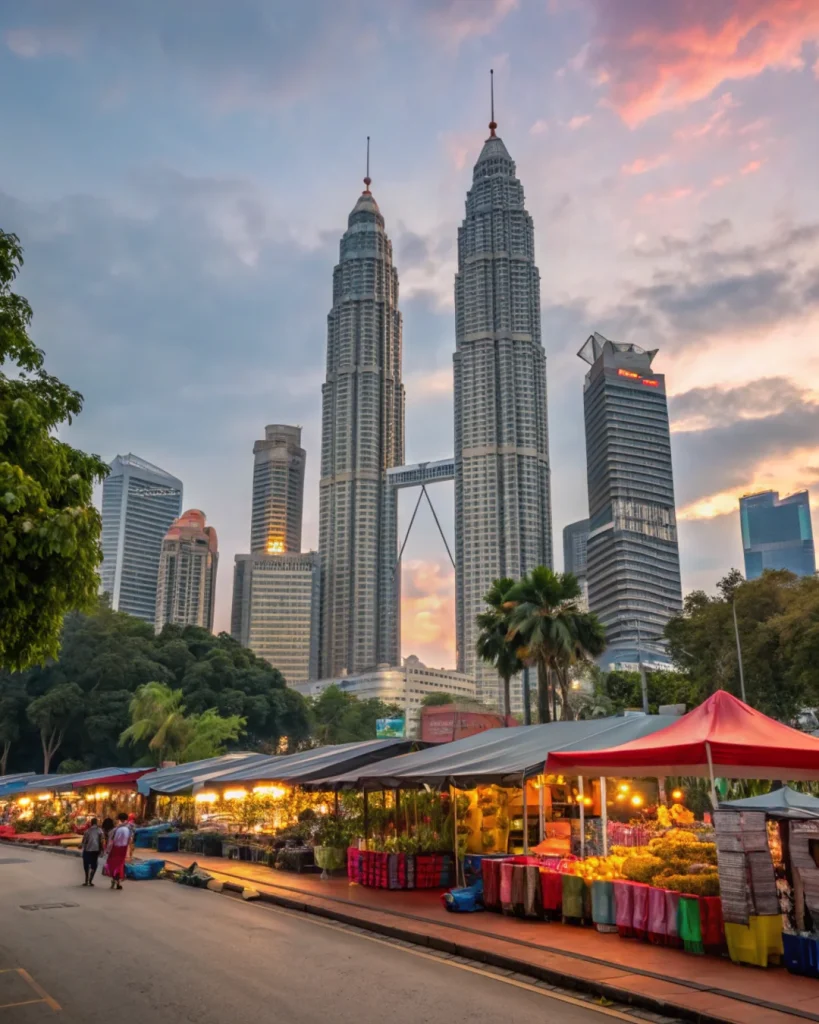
{"x":463,"y":949}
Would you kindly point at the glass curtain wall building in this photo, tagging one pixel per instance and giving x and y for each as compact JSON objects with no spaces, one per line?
{"x":139,"y":503}
{"x":633,"y":556}
{"x":278,"y":491}
{"x":777,"y":533}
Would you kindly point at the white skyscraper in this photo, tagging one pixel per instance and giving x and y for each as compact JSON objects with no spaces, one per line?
{"x":186,"y":585}
{"x":362,"y":437}
{"x":503,"y":518}
{"x":139,"y":503}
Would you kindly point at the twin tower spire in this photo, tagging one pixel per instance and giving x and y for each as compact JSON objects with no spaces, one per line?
{"x":501,"y":460}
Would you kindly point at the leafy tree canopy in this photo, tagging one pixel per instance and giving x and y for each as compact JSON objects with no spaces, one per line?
{"x":49,"y":528}
{"x":338,"y":717}
{"x":107,"y":656}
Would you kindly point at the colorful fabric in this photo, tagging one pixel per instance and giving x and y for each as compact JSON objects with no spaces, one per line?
{"x":490,"y":873}
{"x":574,"y":897}
{"x":506,"y":886}
{"x":551,"y":891}
{"x":603,"y":908}
{"x":411,"y":873}
{"x":639,"y":918}
{"x":532,"y":903}
{"x":624,"y":908}
{"x":689,"y":924}
{"x":672,"y":906}
{"x":115,"y":865}
{"x":657,"y":917}
{"x":518,"y":889}
{"x":713,"y":928}
{"x":353,"y":862}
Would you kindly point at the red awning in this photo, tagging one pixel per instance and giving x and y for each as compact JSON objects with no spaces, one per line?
{"x":739,"y":742}
{"x":122,"y":780}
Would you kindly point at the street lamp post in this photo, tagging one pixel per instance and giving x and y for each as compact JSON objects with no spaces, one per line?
{"x":739,"y":651}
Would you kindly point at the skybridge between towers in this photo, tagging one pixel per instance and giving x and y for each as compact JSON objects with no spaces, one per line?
{"x":419,"y":475}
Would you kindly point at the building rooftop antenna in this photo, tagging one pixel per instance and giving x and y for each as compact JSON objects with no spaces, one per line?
{"x":492,"y":124}
{"x":368,"y":179}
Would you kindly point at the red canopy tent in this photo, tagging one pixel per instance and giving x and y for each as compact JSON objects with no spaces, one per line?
{"x":722,"y":737}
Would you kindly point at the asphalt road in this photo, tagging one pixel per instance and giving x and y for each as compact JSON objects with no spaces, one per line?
{"x":162,"y":952}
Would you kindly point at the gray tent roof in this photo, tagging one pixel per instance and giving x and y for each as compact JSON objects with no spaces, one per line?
{"x":779,"y":803}
{"x":183,"y":777}
{"x":296,"y":769}
{"x":499,"y":756}
{"x":11,"y":784}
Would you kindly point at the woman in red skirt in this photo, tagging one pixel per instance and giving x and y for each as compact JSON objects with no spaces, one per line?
{"x":118,"y":846}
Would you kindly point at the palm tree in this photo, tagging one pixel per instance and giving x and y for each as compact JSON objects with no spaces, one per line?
{"x":550,"y":630}
{"x":158,"y":717}
{"x":588,"y":642}
{"x":494,"y":646}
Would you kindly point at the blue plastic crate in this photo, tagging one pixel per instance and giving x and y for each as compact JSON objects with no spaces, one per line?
{"x":168,"y":843}
{"x":801,"y":955}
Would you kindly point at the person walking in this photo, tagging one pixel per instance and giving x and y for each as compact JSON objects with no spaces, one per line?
{"x":118,"y":846}
{"x":93,"y":843}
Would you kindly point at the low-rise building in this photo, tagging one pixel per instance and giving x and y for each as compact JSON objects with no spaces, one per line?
{"x":403,"y":685}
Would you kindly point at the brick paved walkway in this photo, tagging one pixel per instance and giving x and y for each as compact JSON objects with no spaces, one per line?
{"x":581,"y":957}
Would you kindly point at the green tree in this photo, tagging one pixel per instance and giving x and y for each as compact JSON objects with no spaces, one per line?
{"x":52,"y":714}
{"x":435,"y":700}
{"x":587,"y":641}
{"x":339,"y":717}
{"x":209,"y":735}
{"x":158,"y":721}
{"x":13,"y":701}
{"x":494,"y":645}
{"x":49,"y":527}
{"x":777,"y":616}
{"x":550,"y":630}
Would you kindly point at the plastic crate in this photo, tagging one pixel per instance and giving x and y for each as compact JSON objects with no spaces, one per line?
{"x":801,"y":955}
{"x":168,"y":843}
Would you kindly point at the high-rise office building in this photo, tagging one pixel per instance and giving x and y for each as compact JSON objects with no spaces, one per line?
{"x":186,"y":584}
{"x":575,"y":554}
{"x":139,"y":503}
{"x":777,"y":533}
{"x":633,"y":556}
{"x":278,"y":491}
{"x":503,"y":518}
{"x":275,"y":611}
{"x":362,"y":437}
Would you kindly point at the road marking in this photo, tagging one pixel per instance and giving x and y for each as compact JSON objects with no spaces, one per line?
{"x":44,"y":997}
{"x":527,"y":986}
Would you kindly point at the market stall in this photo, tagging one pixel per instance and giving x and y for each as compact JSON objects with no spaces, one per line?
{"x":723,"y":738}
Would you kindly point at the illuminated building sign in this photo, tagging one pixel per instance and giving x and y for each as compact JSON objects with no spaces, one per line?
{"x":647,"y":381}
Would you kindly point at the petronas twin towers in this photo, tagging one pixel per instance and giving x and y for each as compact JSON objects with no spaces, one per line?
{"x":501,"y":464}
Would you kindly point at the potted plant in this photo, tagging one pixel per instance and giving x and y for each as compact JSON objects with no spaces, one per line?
{"x":330,"y":845}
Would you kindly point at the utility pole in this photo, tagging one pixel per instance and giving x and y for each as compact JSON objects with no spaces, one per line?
{"x":739,"y":651}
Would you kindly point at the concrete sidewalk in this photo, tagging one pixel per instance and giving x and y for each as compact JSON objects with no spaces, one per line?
{"x":703,"y":988}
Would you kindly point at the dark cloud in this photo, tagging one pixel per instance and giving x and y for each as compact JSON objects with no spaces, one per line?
{"x":712,"y":407}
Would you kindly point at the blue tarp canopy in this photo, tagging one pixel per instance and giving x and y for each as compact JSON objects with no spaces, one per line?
{"x":11,"y":785}
{"x":779,"y":803}
{"x":497,"y":756}
{"x":301,"y":768}
{"x":181,"y":778}
{"x":63,"y":783}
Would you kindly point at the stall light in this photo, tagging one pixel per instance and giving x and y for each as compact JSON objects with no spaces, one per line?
{"x":235,"y":794}
{"x":677,"y":795}
{"x":587,"y":800}
{"x":624,"y":787}
{"x":277,"y":792}
{"x":102,"y":794}
{"x":24,"y":801}
{"x":621,"y":797}
{"x":636,"y":800}
{"x":324,"y":809}
{"x":43,"y":797}
{"x":206,"y":798}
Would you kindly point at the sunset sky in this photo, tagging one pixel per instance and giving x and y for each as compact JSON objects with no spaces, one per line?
{"x":180,"y":172}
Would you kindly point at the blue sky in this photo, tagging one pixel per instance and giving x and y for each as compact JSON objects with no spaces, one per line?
{"x":180,"y":174}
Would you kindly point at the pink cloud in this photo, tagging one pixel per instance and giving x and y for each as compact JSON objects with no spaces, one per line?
{"x":663,"y":56}
{"x":721,"y":181}
{"x":716,"y":125}
{"x":673,"y":195}
{"x":578,"y":121}
{"x":642,"y":165}
{"x":428,"y":612}
{"x":540,"y":127}
{"x":752,"y":167}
